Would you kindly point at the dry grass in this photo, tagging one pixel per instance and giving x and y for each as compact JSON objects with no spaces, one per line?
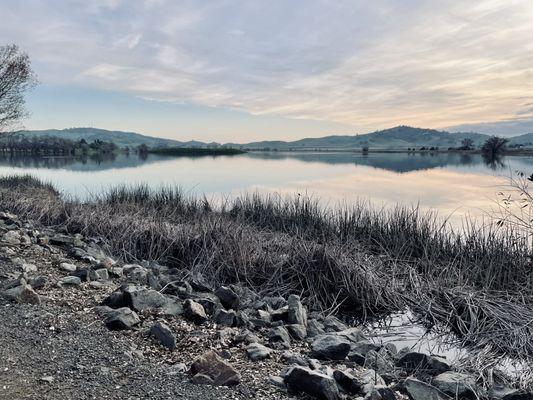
{"x":365,"y":261}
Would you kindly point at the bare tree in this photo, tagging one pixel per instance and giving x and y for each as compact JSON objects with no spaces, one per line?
{"x":467,"y":144}
{"x":16,"y":77}
{"x":494,"y":146}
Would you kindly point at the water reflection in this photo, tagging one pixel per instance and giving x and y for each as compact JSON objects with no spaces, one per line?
{"x":452,"y":183}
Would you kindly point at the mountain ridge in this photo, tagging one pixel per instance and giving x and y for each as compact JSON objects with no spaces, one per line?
{"x":399,"y":137}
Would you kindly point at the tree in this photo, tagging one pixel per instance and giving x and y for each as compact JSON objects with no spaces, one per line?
{"x":467,"y":144}
{"x":494,"y":146}
{"x":16,"y":77}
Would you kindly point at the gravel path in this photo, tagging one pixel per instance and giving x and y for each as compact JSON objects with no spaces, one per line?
{"x":55,"y":353}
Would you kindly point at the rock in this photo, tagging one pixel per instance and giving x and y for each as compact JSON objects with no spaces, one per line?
{"x":116,"y":300}
{"x":47,"y":379}
{"x":29,"y":268}
{"x":315,"y":384}
{"x":369,"y":379}
{"x":225,"y":318}
{"x":314,"y":328}
{"x":511,"y":394}
{"x":135,"y":273}
{"x":297,"y":331}
{"x":275,"y":302}
{"x":381,"y":393}
{"x":279,"y":334}
{"x":455,"y":384}
{"x":379,"y":360}
{"x":228,"y":297}
{"x":121,"y":319}
{"x":347,"y":381}
{"x":176,"y":369}
{"x":247,"y":337}
{"x":141,"y":299}
{"x":38,"y":282}
{"x":276,"y":381}
{"x":288,"y":357}
{"x":69,"y":281}
{"x":414,"y":361}
{"x":330,"y":347}
{"x":98,"y":274}
{"x":258,"y":352}
{"x":67,"y":267}
{"x":333,"y":324}
{"x":419,"y":390}
{"x":164,"y":335}
{"x":173,"y":306}
{"x":102,"y":311}
{"x":201,"y":379}
{"x":296,"y":313}
{"x":281,"y":314}
{"x":194,"y":311}
{"x":220,"y":372}
{"x":201,"y":284}
{"x":64,"y":240}
{"x":12,"y":238}
{"x":23,"y":294}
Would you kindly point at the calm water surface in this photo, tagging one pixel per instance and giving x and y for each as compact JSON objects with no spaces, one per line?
{"x":454,"y":185}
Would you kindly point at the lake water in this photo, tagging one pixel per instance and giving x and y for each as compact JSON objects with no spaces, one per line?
{"x":455,"y":185}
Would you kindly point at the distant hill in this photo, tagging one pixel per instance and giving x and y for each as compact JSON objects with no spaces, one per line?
{"x":121,"y":139}
{"x":400,"y":137}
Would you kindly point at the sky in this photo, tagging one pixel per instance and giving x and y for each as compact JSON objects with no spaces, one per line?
{"x":245,"y":70}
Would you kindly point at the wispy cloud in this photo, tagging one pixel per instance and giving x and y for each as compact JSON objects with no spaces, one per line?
{"x":367,"y":64}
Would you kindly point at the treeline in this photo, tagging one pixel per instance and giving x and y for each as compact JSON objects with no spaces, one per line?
{"x":54,"y":146}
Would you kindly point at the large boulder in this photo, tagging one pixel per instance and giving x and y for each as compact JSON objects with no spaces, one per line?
{"x":330,"y":347}
{"x":347,"y":381}
{"x":121,"y":319}
{"x":219,"y":372}
{"x":303,"y":380}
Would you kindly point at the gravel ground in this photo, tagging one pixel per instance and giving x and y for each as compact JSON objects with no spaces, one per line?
{"x":83,"y":361}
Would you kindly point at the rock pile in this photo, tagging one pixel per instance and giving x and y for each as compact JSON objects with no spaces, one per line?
{"x":227,"y":335}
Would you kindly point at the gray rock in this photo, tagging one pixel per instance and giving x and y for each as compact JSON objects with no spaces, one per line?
{"x":330,"y":347}
{"x":12,"y":238}
{"x":116,"y":300}
{"x":38,"y":282}
{"x":246,"y":337}
{"x":455,"y":384}
{"x":419,"y":390}
{"x":369,"y":379}
{"x":414,"y":361}
{"x":258,"y":352}
{"x":381,"y":393}
{"x":67,"y":267}
{"x":194,"y":311}
{"x":333,"y":324}
{"x":300,"y":379}
{"x":121,"y":319}
{"x":23,"y":294}
{"x":99,"y":274}
{"x":69,"y":281}
{"x":164,"y":335}
{"x":225,"y":318}
{"x":347,"y":381}
{"x":314,"y":328}
{"x":135,"y":273}
{"x":219,"y":372}
{"x":201,"y":284}
{"x":288,"y":357}
{"x":279,"y":334}
{"x":141,"y":299}
{"x":281,"y":314}
{"x":173,"y":306}
{"x":228,"y":297}
{"x":276,"y":381}
{"x":297,"y":331}
{"x":296,"y":313}
{"x":29,"y":268}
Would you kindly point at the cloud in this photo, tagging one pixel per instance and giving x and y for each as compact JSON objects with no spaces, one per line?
{"x":370,"y":65}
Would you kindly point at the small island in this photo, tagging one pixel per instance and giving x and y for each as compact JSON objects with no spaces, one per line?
{"x":195,"y":151}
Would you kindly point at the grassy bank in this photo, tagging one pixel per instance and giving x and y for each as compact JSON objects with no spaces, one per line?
{"x":196,"y":152}
{"x":476,"y":283}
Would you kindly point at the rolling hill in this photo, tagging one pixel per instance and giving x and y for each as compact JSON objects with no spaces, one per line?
{"x":400,"y":137}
